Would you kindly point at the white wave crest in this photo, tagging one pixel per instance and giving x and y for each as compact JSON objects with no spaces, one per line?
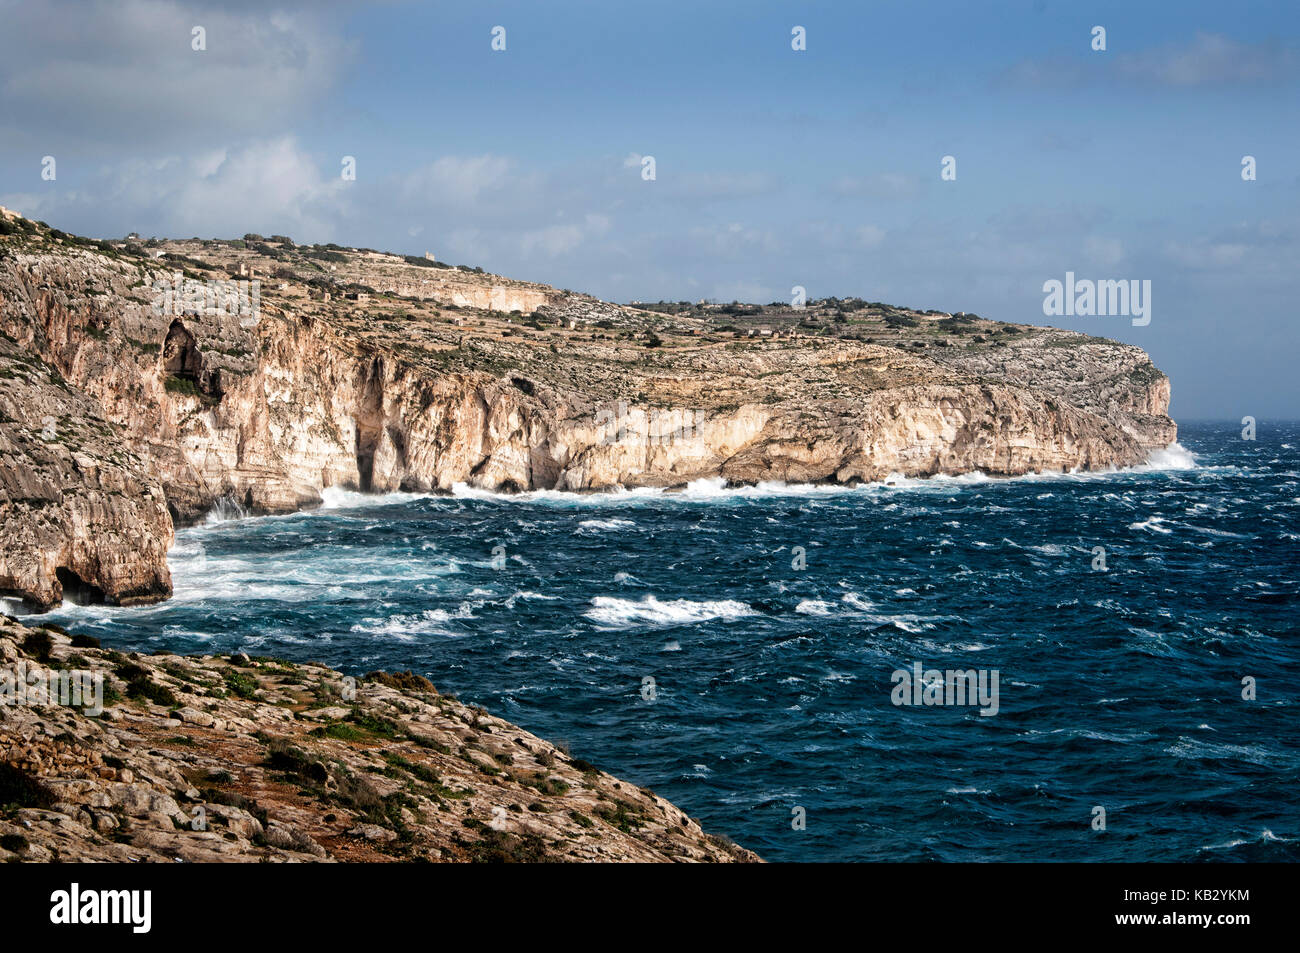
{"x":607,"y":524}
{"x":1155,"y":524}
{"x":1173,"y":457}
{"x":337,"y":498}
{"x":224,"y":510}
{"x":814,"y":607}
{"x":406,"y":626}
{"x":612,"y":611}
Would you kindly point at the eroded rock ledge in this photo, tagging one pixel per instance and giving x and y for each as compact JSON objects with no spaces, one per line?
{"x":378,"y":372}
{"x":236,"y":759}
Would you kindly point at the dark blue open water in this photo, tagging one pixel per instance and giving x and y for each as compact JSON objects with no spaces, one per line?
{"x":1120,"y":689}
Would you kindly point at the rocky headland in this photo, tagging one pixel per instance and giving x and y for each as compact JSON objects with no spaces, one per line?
{"x":125,"y":410}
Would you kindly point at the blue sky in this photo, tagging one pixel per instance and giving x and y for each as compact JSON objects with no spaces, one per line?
{"x":774,"y":168}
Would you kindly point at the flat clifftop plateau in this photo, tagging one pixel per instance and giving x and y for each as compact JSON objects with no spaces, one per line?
{"x":255,"y":760}
{"x":360,"y":369}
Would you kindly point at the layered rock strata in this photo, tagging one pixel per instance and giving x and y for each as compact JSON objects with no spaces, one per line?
{"x":368,"y":371}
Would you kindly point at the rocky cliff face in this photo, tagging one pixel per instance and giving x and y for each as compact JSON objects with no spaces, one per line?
{"x":367,"y":371}
{"x":80,"y":515}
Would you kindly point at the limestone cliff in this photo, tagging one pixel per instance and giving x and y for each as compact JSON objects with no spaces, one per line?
{"x":379,"y":372}
{"x":80,"y":515}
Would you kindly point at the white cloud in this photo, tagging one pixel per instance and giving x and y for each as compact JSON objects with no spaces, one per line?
{"x":271,"y":186}
{"x":89,"y":74}
{"x":552,"y":240}
{"x":271,"y":181}
{"x":870,"y":236}
{"x":878,"y":185}
{"x":1210,"y":59}
{"x":459,"y":180}
{"x":711,"y":186}
{"x":1103,"y":252}
{"x":556,"y":240}
{"x":734,"y":239}
{"x":744,"y":290}
{"x":1207,"y":59}
{"x":1207,"y":255}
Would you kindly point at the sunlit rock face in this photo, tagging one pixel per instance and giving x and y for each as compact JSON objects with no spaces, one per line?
{"x":379,"y":374}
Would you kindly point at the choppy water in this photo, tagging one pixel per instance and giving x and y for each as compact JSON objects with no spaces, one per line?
{"x":1119,"y":688}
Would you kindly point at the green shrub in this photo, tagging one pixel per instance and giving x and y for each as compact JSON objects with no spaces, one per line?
{"x":403,"y":681}
{"x":147,"y":688}
{"x":181,"y":385}
{"x":130,"y":672}
{"x":547,"y":785}
{"x":428,"y":775}
{"x":342,"y":731}
{"x":38,"y":645}
{"x":625,"y":817}
{"x":501,"y":847}
{"x":292,"y":760}
{"x":376,"y":725}
{"x":245,"y":686}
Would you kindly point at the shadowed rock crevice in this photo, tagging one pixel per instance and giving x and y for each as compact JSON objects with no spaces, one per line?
{"x":183,"y":365}
{"x":180,"y":353}
{"x":76,"y":590}
{"x":370,"y":425}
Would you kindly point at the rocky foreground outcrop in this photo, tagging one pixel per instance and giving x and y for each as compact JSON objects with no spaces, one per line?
{"x":380,"y":372}
{"x":238,"y":759}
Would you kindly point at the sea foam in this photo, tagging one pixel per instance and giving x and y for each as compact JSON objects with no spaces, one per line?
{"x":612,"y":611}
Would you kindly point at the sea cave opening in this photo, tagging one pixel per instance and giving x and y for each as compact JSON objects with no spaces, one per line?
{"x":76,"y":590}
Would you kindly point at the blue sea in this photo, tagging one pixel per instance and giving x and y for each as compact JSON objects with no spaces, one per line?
{"x":771,"y":621}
